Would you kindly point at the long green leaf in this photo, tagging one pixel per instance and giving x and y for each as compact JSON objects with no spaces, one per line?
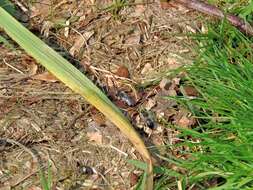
{"x":75,"y":80}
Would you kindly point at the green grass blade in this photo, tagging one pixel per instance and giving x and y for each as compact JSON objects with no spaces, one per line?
{"x":223,"y":76}
{"x":75,"y":80}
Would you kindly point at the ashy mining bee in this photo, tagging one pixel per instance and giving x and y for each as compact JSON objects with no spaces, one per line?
{"x":146,"y":121}
{"x":125,"y":98}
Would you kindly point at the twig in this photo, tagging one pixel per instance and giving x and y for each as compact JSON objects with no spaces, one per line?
{"x":206,"y":8}
{"x":35,"y":159}
{"x":14,"y":68}
{"x":118,"y":150}
{"x":10,"y":141}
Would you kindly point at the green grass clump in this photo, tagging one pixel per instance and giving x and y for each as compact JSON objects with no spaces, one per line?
{"x":221,"y":146}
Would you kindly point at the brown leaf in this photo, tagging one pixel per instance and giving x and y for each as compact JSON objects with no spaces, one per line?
{"x":80,"y":41}
{"x":5,"y":187}
{"x":30,"y":63}
{"x":95,"y":136}
{"x":99,"y":119}
{"x":190,"y":91}
{"x":147,"y":68}
{"x":133,"y":39}
{"x":34,"y":68}
{"x":139,"y":8}
{"x":46,"y":76}
{"x":173,"y":63}
{"x":183,"y":119}
{"x":150,"y":104}
{"x":93,"y":132}
{"x":133,"y":179}
{"x":34,"y":188}
{"x":41,"y":7}
{"x":122,"y":71}
{"x":165,"y":84}
{"x":165,"y":4}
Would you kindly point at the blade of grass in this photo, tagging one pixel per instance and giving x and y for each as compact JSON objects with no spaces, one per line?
{"x":75,"y":80}
{"x":8,"y":6}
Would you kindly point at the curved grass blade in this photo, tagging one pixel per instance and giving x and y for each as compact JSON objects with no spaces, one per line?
{"x":75,"y":80}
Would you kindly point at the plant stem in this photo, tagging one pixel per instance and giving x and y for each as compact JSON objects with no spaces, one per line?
{"x":206,"y":8}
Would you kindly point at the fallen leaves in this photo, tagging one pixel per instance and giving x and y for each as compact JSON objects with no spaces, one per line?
{"x":95,"y":136}
{"x":184,"y":119}
{"x":166,"y":4}
{"x":93,"y":133}
{"x":133,"y":39}
{"x":80,"y":42}
{"x":46,"y":76}
{"x":34,"y":188}
{"x":190,"y":91}
{"x":147,"y":69}
{"x":40,"y":8}
{"x":123,"y":71}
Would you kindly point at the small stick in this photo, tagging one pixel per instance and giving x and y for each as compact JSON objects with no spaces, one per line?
{"x":206,"y":8}
{"x":14,"y":68}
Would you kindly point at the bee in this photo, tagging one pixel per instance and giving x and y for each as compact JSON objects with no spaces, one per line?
{"x":148,"y":118}
{"x":146,"y":121}
{"x":124,"y":97}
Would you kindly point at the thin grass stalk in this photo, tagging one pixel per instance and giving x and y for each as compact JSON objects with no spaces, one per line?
{"x":206,"y":8}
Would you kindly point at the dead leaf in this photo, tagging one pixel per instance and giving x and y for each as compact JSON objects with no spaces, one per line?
{"x":46,"y":76}
{"x":185,"y":121}
{"x":165,"y":84}
{"x":146,"y":69}
{"x":150,"y":104}
{"x":134,"y":178}
{"x":34,"y":188}
{"x":166,"y":4}
{"x":140,"y":7}
{"x":80,"y":41}
{"x":122,"y":71}
{"x":176,"y":81}
{"x":190,"y":91}
{"x":5,"y":187}
{"x":98,"y":118}
{"x":95,"y":136}
{"x":34,"y":68}
{"x":93,"y":132}
{"x":41,"y":7}
{"x":172,"y":63}
{"x":30,"y":63}
{"x":133,"y":39}
{"x":172,"y":92}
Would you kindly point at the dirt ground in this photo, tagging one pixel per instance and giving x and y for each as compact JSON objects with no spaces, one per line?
{"x":130,"y":54}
